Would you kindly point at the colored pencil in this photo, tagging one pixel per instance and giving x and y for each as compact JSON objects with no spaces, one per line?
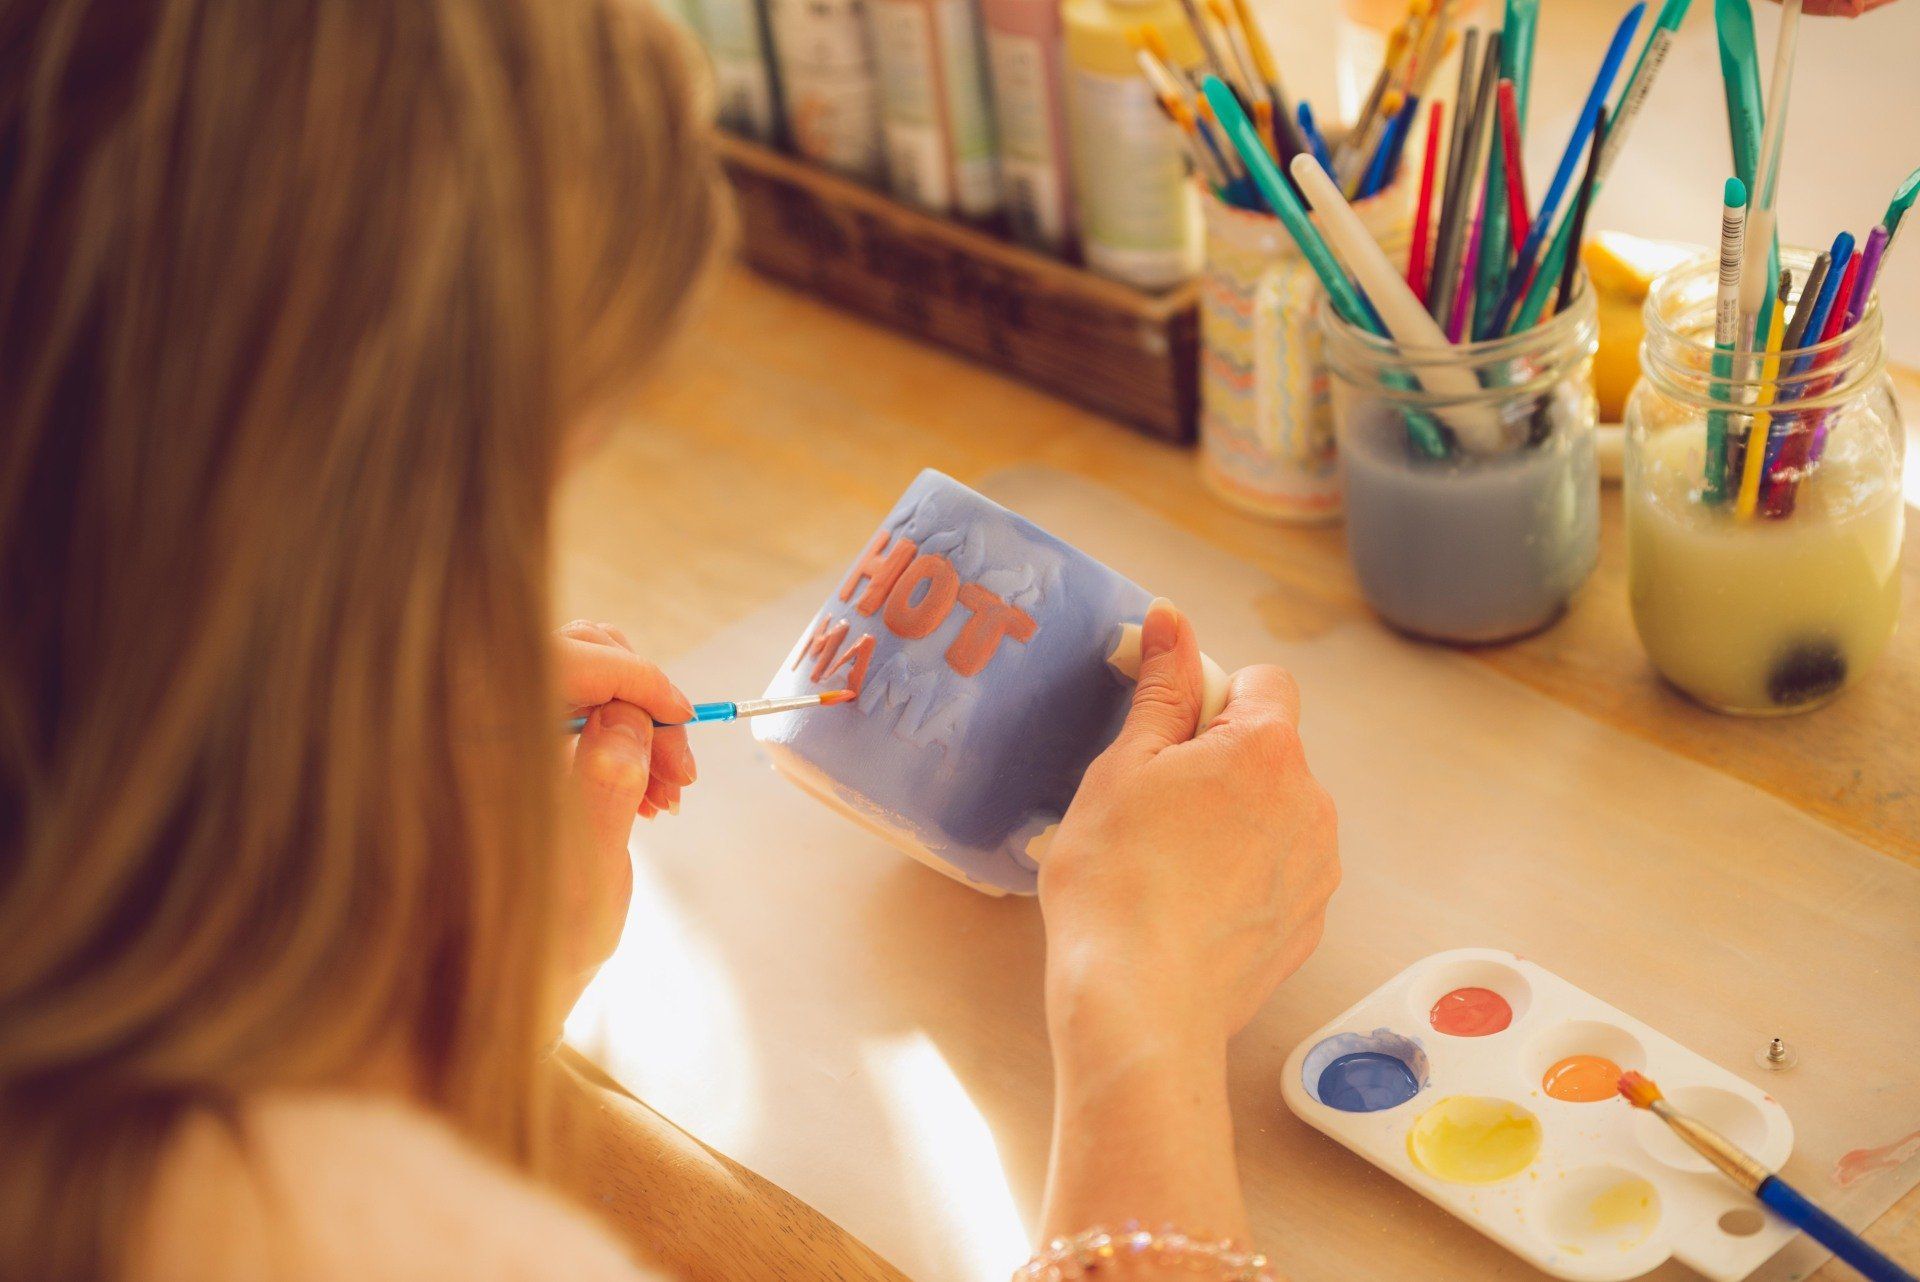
{"x":1773,"y":1192}
{"x":1524,"y":266}
{"x":1582,"y":203}
{"x":1401,"y":314}
{"x":1726,"y":330}
{"x":713,"y":713}
{"x":1423,"y":210}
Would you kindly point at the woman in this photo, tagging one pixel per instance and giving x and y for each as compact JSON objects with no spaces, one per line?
{"x":303,"y":306}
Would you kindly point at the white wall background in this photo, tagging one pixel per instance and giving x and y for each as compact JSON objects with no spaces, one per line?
{"x":1853,"y":124}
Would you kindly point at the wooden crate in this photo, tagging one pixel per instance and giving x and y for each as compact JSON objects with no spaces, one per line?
{"x":1099,"y":343}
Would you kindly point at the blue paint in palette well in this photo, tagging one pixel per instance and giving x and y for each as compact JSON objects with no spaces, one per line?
{"x":1367,"y":1082}
{"x":1364,"y":1072}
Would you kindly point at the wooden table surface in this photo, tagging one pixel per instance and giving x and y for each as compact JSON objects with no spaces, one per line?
{"x":760,"y":455}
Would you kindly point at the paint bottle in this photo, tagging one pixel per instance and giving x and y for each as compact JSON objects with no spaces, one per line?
{"x":826,"y":71}
{"x":935,"y":118}
{"x":1139,"y":216}
{"x":1025,"y":54}
{"x":738,"y":40}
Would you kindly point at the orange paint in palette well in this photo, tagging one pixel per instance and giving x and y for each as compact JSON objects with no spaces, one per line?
{"x":1471,"y":1012}
{"x":1582,"y":1079}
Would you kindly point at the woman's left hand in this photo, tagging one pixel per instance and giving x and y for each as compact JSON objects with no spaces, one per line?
{"x":622,"y":766}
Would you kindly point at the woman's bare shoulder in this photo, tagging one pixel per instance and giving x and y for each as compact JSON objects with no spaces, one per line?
{"x":319,"y":1188}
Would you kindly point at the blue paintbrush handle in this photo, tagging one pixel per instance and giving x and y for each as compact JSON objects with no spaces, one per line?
{"x":1786,"y":1201}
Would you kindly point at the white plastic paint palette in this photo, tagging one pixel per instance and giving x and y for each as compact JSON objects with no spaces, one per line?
{"x":1584,"y":1188}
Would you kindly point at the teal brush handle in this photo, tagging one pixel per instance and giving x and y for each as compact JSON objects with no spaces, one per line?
{"x":701,"y":712}
{"x":1786,"y":1201}
{"x":1292,"y":214}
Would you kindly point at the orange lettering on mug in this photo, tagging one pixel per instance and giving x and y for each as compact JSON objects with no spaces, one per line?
{"x":854,"y":658}
{"x":911,"y":619}
{"x":822,"y":646}
{"x":880,"y":565}
{"x":992,"y":619}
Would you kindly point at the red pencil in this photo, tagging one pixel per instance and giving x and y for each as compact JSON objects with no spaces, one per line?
{"x":1516,"y":175}
{"x":1417,"y":256}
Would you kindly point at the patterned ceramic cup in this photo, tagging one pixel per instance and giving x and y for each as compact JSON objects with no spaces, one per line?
{"x":1266,"y":430}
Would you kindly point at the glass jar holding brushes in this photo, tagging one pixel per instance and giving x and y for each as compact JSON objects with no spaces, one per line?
{"x":1462,"y":384}
{"x":1763,"y":493}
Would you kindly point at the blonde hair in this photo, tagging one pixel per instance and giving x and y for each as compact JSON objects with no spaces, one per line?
{"x":298,"y":301}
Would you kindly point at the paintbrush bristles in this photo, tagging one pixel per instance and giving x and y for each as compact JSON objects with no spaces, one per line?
{"x":1638,"y":1090}
{"x":832,"y":697}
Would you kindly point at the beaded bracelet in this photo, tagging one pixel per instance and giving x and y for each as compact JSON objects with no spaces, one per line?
{"x":1099,"y":1253}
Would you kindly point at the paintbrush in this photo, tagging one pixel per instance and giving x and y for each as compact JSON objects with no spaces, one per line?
{"x":1596,"y":152}
{"x":1774,"y":1193}
{"x":704,"y":713}
{"x":1752,"y":464}
{"x":1456,"y":206}
{"x":1897,"y":207}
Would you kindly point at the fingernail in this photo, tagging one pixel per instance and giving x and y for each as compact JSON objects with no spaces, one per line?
{"x":673,"y":807}
{"x":1162,"y":625}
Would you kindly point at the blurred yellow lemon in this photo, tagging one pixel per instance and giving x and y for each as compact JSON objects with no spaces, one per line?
{"x":1622,"y":269}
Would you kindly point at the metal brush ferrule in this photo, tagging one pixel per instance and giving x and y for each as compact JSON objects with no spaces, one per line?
{"x":1715,"y":1147}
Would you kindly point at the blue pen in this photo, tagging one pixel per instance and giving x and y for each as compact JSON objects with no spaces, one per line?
{"x":1570,"y":159}
{"x":706,"y":712}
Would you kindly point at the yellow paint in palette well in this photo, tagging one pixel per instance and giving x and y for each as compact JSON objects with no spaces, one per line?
{"x":1471,"y":1139}
{"x":1623,"y":1215}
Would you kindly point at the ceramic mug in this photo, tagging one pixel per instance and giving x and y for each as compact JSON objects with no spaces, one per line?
{"x":991,"y":665}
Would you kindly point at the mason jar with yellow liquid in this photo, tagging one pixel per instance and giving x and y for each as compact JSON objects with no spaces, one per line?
{"x":1769,"y":589}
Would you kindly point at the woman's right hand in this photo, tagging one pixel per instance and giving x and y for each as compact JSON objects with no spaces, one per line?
{"x":1192,"y":871}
